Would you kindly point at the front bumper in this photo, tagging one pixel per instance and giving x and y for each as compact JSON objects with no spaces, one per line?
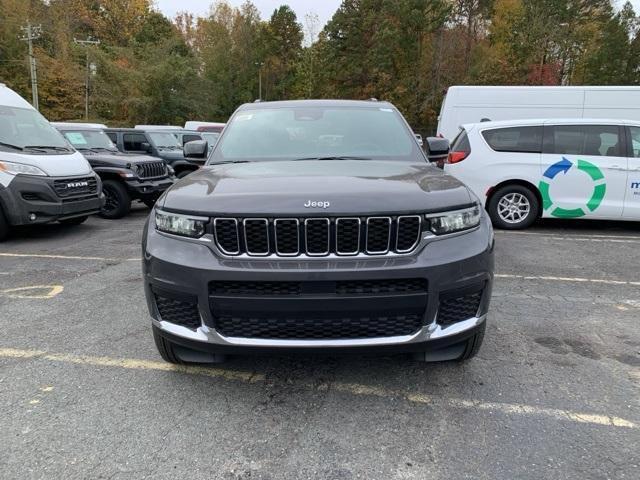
{"x":146,"y":188}
{"x":26,"y":196}
{"x":458,"y":263}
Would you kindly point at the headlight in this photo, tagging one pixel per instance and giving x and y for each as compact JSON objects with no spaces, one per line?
{"x":184,"y":225}
{"x":450,"y":222}
{"x":20,"y":169}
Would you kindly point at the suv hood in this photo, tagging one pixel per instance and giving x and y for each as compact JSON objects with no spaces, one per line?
{"x":117,"y":159}
{"x":59,"y":165}
{"x":284,"y":187}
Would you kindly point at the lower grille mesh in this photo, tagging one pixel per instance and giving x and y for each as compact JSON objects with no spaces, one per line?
{"x":457,"y":309}
{"x":318,"y":328}
{"x":180,"y":312}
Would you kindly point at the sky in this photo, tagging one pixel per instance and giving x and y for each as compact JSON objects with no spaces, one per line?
{"x":323,"y":8}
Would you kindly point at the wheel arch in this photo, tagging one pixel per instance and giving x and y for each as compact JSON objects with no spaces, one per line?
{"x":516,"y":181}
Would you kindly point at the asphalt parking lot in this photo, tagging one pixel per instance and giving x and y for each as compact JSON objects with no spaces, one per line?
{"x":554,"y":392}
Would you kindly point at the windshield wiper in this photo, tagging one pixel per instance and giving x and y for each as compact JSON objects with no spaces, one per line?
{"x":331,"y":157}
{"x":8,"y":145}
{"x":46,"y":147}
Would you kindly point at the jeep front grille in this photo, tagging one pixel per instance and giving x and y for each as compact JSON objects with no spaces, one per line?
{"x":317,"y":237}
{"x":152,"y":169}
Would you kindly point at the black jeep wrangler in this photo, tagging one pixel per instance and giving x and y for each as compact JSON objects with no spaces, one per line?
{"x":125,"y":177}
{"x":157,"y":143}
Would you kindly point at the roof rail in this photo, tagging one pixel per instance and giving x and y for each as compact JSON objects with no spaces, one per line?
{"x":257,"y":100}
{"x":373,"y":99}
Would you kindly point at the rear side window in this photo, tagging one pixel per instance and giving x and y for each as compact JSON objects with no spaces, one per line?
{"x":461,"y":142}
{"x":133,"y":141}
{"x":593,"y":140}
{"x":515,"y":139}
{"x":635,"y":141}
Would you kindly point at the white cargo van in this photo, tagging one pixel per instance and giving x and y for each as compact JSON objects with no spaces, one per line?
{"x":472,"y":104}
{"x":42,"y":177}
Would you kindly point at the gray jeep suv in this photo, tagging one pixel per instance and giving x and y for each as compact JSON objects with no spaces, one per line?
{"x":318,"y":225}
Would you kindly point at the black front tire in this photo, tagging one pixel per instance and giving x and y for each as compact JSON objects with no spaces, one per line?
{"x":117,"y":200}
{"x":506,"y":194}
{"x":473,"y":344}
{"x":166,"y":349}
{"x":74,"y":221}
{"x":4,"y":226}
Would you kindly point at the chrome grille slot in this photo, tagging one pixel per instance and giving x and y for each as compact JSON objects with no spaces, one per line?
{"x":408,"y":233}
{"x":256,"y":236}
{"x":287,"y":236}
{"x":347,"y":236}
{"x":317,"y":236}
{"x":378,"y":235}
{"x":226,"y":233}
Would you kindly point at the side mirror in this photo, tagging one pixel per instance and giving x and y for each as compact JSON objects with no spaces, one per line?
{"x":145,"y":146}
{"x":437,"y":149}
{"x":419,"y":139}
{"x":196,"y":149}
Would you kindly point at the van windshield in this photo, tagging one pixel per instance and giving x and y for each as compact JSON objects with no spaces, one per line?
{"x":316,"y":132}
{"x":26,"y":129}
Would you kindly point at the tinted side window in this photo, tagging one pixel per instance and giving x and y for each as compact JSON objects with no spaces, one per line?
{"x":515,"y":139}
{"x":133,"y":141}
{"x":594,"y":140}
{"x":113,"y":137}
{"x":635,"y":141}
{"x":461,"y":142}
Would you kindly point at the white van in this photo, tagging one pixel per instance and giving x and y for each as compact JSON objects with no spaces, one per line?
{"x":42,"y":177}
{"x":559,"y":168}
{"x":471,"y":104}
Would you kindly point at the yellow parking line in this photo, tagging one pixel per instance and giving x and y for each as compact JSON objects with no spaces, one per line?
{"x":41,"y":292}
{"x":64,"y":257}
{"x":350,"y":388}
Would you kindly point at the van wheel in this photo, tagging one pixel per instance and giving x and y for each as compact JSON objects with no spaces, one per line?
{"x":74,"y":221}
{"x":513,"y":207}
{"x":4,"y":226}
{"x":473,"y":345}
{"x":117,"y":200}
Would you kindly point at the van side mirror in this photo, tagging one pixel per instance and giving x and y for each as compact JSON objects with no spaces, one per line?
{"x":419,"y":139}
{"x":146,"y":147}
{"x":437,"y":149}
{"x":196,"y":149}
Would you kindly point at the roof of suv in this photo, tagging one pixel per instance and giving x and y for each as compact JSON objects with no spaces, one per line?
{"x":316,"y":103}
{"x":546,"y":121}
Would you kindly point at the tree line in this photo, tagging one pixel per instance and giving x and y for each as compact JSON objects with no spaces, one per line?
{"x":151,"y":69}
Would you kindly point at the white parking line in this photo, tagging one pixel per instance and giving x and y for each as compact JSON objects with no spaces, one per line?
{"x":567,"y":279}
{"x":350,"y":388}
{"x":575,"y":237}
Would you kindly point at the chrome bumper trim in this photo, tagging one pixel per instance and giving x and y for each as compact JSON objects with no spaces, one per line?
{"x":429,"y":332}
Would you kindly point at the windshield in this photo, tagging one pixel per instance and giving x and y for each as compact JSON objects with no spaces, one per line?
{"x":86,"y":139}
{"x":164,"y":140}
{"x":24,"y":127}
{"x":316,"y":132}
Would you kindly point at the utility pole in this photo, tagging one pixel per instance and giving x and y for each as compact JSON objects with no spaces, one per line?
{"x":31,"y":33}
{"x":86,"y":44}
{"x":259,"y":65}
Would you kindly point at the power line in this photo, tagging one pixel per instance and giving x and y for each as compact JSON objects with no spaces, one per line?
{"x":31,"y":33}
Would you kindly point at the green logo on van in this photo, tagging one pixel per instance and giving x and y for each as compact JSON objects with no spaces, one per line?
{"x":563,"y":166}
